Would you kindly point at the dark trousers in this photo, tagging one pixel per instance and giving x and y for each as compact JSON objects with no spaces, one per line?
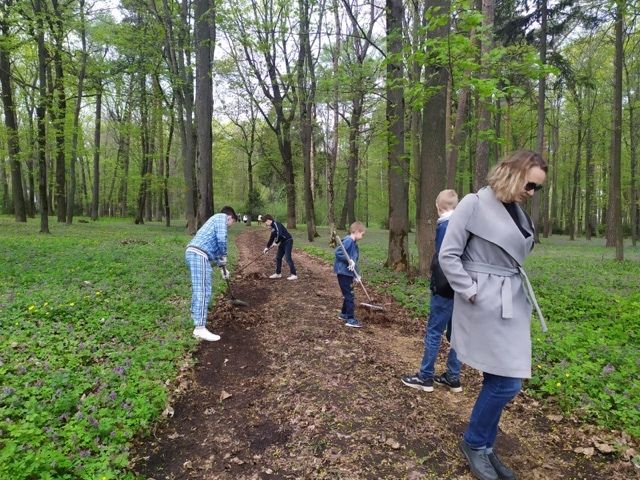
{"x":284,"y":250}
{"x":348,"y":304}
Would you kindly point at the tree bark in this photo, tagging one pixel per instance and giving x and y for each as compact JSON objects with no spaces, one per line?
{"x":11,"y":124}
{"x":41,"y":115}
{"x":484,"y":114}
{"x":397,"y":258}
{"x":59,"y":113}
{"x":536,"y":216}
{"x":614,"y":210}
{"x":307,"y":92}
{"x":144,"y":143}
{"x":433,"y":174}
{"x":204,"y":21}
{"x":95,"y":192}
{"x":71,"y":194}
{"x":335,"y":105}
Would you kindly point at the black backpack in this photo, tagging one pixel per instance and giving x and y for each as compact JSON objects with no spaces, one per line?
{"x":439,"y":283}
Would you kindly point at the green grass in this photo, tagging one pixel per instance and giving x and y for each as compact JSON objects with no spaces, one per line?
{"x":94,"y":321}
{"x":589,"y":361}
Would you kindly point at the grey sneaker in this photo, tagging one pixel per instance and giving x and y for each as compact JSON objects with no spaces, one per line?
{"x":415,"y":381}
{"x":452,"y":383}
{"x":353,"y":323}
{"x":504,"y":472}
{"x":275,"y":275}
{"x":479,"y":462}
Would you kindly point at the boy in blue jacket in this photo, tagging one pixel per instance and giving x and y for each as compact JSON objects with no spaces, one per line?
{"x":207,"y":246}
{"x":281,"y":237}
{"x":346,"y":271}
{"x":440,"y":311}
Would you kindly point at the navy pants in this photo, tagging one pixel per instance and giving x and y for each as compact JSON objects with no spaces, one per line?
{"x":496,"y":392}
{"x":348,"y":304}
{"x":284,"y":250}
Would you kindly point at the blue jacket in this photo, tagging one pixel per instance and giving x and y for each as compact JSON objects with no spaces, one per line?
{"x":279,"y":234}
{"x":212,"y":237}
{"x":341,"y":263}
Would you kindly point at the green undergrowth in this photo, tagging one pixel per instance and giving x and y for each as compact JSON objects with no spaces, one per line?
{"x":95,"y":323}
{"x":588,"y":363}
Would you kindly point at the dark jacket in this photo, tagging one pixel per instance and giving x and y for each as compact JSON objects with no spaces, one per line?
{"x":341,"y":263}
{"x":439,"y":284}
{"x":279,"y":234}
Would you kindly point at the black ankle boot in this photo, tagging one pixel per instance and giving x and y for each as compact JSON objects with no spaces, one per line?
{"x":479,"y":462}
{"x":504,"y":472}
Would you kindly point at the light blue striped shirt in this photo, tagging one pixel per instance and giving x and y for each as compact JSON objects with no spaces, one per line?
{"x":212,"y":237}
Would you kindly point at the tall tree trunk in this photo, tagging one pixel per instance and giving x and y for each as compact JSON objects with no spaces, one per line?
{"x":31,"y":159}
{"x":536,"y":216}
{"x":124,"y":145}
{"x":457,"y":139}
{"x":177,"y":52}
{"x":415,"y":74}
{"x":335,"y":105}
{"x":576,"y":173}
{"x":95,"y":198}
{"x":433,"y":174}
{"x":71,"y":194}
{"x":41,"y":115}
{"x":484,"y":114}
{"x":11,"y":124}
{"x":165,"y":186}
{"x":59,"y":113}
{"x":398,"y":164}
{"x":632,"y":97}
{"x":352,"y":162}
{"x":590,"y":183}
{"x":614,"y":211}
{"x":306,"y":90}
{"x":204,"y":21}
{"x":146,"y":154}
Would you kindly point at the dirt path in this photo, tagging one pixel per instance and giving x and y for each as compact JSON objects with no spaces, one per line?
{"x":312,"y":399}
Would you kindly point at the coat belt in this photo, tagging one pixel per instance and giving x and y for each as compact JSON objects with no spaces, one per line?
{"x":506,"y":291}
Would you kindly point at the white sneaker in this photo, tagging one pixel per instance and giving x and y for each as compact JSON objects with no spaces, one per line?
{"x":276,"y":275}
{"x":292,"y":277}
{"x":204,"y":334}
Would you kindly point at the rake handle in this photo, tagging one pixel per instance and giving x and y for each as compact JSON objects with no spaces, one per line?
{"x":252,"y":261}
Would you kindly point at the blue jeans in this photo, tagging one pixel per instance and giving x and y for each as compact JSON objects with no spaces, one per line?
{"x":496,"y":392}
{"x":440,"y":311}
{"x":284,"y":250}
{"x":348,"y":304}
{"x":200,"y":287}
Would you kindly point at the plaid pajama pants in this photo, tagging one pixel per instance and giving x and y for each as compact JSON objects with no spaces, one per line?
{"x":200,"y":286}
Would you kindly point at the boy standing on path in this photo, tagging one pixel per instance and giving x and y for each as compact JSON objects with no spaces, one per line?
{"x":208,"y":245}
{"x":346,"y":271}
{"x":281,"y":237}
{"x":440,"y":312}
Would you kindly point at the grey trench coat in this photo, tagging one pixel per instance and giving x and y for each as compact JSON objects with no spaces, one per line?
{"x":480,"y":255}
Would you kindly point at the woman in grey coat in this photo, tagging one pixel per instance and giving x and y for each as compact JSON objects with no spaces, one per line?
{"x":488,"y":239}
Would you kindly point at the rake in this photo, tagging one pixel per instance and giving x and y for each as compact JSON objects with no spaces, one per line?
{"x":251,"y":262}
{"x":370,"y":305}
{"x":234,"y":301}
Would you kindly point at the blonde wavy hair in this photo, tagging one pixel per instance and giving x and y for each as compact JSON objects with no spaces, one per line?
{"x":508,"y":177}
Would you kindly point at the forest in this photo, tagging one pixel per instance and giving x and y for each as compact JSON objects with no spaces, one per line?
{"x":321,"y":112}
{"x":126,"y":124}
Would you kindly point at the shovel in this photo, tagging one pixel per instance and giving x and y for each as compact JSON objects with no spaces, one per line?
{"x":370,"y":305}
{"x":234,"y":300}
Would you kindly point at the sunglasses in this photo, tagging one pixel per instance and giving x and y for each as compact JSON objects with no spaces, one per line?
{"x":532,"y":186}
